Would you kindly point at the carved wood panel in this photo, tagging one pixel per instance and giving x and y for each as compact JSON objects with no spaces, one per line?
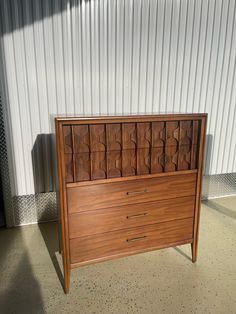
{"x":129,"y":135}
{"x":157,"y":160}
{"x":113,"y":135}
{"x":68,"y":153}
{"x":158,"y":134}
{"x":143,"y":161}
{"x":82,"y":167}
{"x":144,"y":135}
{"x":69,"y":171}
{"x":98,"y":165}
{"x":102,"y":151}
{"x":97,"y":138}
{"x":81,"y":138}
{"x":114,"y":169}
{"x":129,"y":162}
{"x":67,"y":135}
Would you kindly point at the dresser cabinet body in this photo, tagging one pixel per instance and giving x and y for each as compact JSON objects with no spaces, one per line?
{"x":128,"y":184}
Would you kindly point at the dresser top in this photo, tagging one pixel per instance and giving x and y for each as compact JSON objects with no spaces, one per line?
{"x":100,"y":118}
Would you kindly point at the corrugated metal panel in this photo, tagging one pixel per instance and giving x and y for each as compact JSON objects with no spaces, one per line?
{"x":110,"y":57}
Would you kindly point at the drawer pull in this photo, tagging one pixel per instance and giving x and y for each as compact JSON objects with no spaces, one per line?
{"x":136,"y":239}
{"x":137,"y":215}
{"x":137,"y":192}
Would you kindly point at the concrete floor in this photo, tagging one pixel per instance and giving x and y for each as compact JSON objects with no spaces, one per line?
{"x":163,"y":281}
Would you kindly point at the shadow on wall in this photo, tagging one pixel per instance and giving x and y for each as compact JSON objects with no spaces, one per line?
{"x":208,"y":149}
{"x":33,"y":11}
{"x":44,"y":163}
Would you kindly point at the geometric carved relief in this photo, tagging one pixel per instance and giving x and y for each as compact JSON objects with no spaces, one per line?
{"x":143,"y":161}
{"x":97,"y":138}
{"x":172,"y":133}
{"x":113,"y":136}
{"x":184,"y":158}
{"x":157,"y":160}
{"x":158,"y":134}
{"x":98,"y":165}
{"x":82,"y":166}
{"x":171,"y":158}
{"x":99,"y":151}
{"x":69,"y":171}
{"x":129,"y":135}
{"x":144,"y":135}
{"x":68,"y":153}
{"x":185,"y":133}
{"x":114,"y":164}
{"x":67,"y":135}
{"x":81,"y":138}
{"x":129,"y":162}
{"x":171,"y":146}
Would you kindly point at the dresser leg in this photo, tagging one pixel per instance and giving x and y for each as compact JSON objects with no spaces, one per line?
{"x":66,"y":280}
{"x":194,"y":252}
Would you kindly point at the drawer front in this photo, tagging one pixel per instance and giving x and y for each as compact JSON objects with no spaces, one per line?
{"x":130,"y":240}
{"x":105,"y":195}
{"x":128,"y":216}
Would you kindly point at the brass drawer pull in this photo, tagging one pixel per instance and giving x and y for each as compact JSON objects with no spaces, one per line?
{"x":137,"y":215}
{"x":137,"y":192}
{"x":136,"y":239}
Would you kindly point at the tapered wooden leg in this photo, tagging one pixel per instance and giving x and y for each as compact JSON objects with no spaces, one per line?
{"x":194,"y":251}
{"x":66,"y":279}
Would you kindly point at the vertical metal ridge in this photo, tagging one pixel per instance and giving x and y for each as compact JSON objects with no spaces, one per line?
{"x":191,"y":49}
{"x":145,"y":105}
{"x":19,"y":149}
{"x":231,"y":90}
{"x":140,"y":55}
{"x":154,"y":55}
{"x":210,"y":153}
{"x":220,"y":83}
{"x":231,"y":94}
{"x":197,"y":59}
{"x":131,"y":64}
{"x":210,"y":55}
{"x":204,"y":53}
{"x":184,"y":54}
{"x":169,"y":52}
{"x":115,"y":105}
{"x":123,"y":60}
{"x":162,"y":48}
{"x":177,"y":54}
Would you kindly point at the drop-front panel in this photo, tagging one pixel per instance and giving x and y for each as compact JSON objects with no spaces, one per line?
{"x":128,"y":184}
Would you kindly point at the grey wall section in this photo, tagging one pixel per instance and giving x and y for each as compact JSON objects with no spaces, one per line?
{"x":113,"y":56}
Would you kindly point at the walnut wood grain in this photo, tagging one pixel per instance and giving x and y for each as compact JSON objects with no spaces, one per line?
{"x":114,"y":167}
{"x":128,"y":216}
{"x":109,"y":195}
{"x":129,"y":240}
{"x":144,"y":147}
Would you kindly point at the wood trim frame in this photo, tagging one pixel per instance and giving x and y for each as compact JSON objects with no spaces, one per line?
{"x":194,"y":244}
{"x":63,"y":208}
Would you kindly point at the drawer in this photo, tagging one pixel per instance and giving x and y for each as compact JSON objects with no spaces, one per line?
{"x":128,"y":216}
{"x":96,"y":196}
{"x":118,"y":243}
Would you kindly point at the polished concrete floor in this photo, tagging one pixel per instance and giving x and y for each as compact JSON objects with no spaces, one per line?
{"x":163,"y":281}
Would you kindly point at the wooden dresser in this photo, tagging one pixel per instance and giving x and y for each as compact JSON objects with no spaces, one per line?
{"x":128,"y":184}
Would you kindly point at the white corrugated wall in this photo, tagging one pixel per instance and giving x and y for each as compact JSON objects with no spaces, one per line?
{"x":114,"y":56}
